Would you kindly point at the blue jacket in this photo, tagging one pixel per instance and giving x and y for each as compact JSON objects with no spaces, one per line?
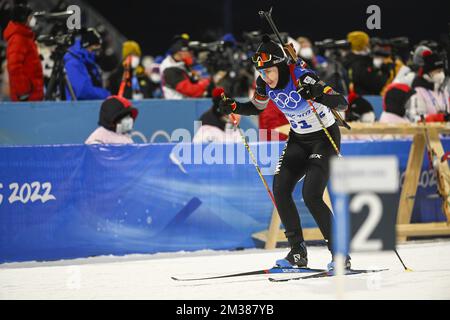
{"x":84,"y":74}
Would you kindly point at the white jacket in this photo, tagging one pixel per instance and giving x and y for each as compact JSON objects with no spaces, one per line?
{"x":426,"y":102}
{"x":105,"y":136}
{"x":169,"y":62}
{"x":207,"y":134}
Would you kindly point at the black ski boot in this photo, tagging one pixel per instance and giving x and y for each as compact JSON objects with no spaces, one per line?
{"x":347,"y":264}
{"x":297,"y":257}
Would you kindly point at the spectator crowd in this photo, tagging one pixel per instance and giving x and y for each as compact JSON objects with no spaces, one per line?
{"x":412,"y":80}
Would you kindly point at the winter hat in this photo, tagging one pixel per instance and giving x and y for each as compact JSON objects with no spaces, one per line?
{"x":20,"y":12}
{"x":431,"y":61}
{"x":359,"y":40}
{"x":229,"y":38}
{"x":180,"y":43}
{"x":90,"y":37}
{"x":358,"y":107}
{"x":113,"y":109}
{"x":269,"y":54}
{"x":397,"y":94}
{"x":216,"y":97}
{"x":417,"y":56}
{"x":131,"y":48}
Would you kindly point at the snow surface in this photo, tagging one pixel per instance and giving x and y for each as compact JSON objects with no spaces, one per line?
{"x":148,"y":276}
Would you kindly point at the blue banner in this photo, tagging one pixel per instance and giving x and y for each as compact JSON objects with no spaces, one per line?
{"x":41,"y":123}
{"x":61,"y":202}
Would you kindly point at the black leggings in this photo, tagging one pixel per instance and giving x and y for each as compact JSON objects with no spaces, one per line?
{"x":305,"y":155}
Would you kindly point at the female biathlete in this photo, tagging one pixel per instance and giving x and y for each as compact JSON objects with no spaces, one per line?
{"x":308,"y":149}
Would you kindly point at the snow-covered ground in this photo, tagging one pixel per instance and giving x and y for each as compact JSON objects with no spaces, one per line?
{"x":148,"y":276}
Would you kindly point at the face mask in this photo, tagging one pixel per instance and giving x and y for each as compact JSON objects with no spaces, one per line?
{"x":95,"y":50}
{"x":125,"y":125}
{"x":147,"y":62}
{"x":306,"y":53}
{"x":368,"y":117}
{"x":135,"y":61}
{"x":377,"y":62}
{"x":32,"y":22}
{"x":438,"y":78}
{"x":155,"y":77}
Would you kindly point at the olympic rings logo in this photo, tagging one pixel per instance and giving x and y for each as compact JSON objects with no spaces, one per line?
{"x":284,"y":100}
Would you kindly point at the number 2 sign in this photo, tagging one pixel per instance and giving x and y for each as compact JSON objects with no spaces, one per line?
{"x":365,"y":194}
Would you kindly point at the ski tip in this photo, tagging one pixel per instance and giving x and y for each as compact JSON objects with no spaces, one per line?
{"x":174,"y":278}
{"x":277,"y":280}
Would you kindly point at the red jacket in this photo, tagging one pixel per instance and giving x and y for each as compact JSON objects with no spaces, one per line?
{"x":270,"y":119}
{"x":24,"y":64}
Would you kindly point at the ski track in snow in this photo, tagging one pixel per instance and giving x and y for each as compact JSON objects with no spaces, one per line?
{"x":148,"y":276}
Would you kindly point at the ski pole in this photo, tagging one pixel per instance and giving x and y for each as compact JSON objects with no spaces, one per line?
{"x":252,"y":156}
{"x":125,"y":76}
{"x":399,"y":258}
{"x":335,"y":147}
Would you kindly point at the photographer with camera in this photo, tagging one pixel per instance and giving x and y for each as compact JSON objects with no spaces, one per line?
{"x":26,"y":78}
{"x":129,"y":78}
{"x":82,"y":70}
{"x":178,"y":80}
{"x":365,"y":78}
{"x":383,"y":63}
{"x":329,"y":63}
{"x":226,"y":62}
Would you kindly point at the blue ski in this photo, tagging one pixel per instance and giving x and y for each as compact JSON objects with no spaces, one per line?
{"x":251,"y":273}
{"x":326,"y":273}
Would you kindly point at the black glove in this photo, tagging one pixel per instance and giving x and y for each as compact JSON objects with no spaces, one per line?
{"x":24,"y":97}
{"x":447,"y":117}
{"x":310,"y":87}
{"x":227,"y":105}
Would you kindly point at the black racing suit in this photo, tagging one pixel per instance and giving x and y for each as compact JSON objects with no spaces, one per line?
{"x":305,"y":154}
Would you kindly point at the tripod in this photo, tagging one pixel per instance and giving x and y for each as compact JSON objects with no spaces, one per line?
{"x":56,"y":89}
{"x":338,"y":79}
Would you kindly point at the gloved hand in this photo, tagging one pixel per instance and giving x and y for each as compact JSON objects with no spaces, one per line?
{"x":227,"y":105}
{"x":310,"y":87}
{"x":24,"y":97}
{"x":435,"y":117}
{"x":447,"y":117}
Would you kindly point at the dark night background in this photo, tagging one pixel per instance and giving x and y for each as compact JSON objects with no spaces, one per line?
{"x":153,"y":23}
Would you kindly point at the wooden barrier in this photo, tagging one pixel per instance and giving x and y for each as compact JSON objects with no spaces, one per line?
{"x":409,"y":188}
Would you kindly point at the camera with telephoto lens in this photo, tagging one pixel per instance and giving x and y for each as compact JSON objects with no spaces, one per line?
{"x":63,"y":40}
{"x":395,"y":43}
{"x":331,"y":44}
{"x":219,"y":55}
